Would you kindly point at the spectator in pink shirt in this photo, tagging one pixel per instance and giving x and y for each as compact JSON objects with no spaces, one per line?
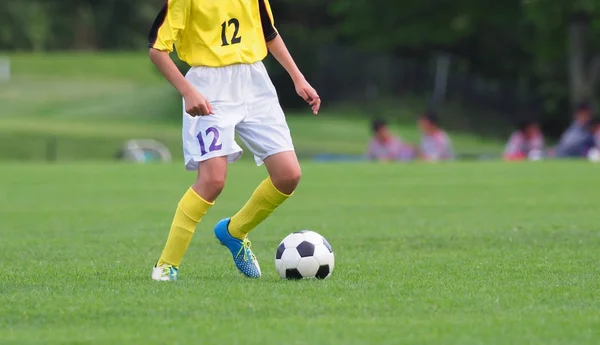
{"x":435,"y":143}
{"x":384,"y":146}
{"x":525,"y":141}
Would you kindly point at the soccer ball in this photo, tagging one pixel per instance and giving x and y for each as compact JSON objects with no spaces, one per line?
{"x":304,"y":254}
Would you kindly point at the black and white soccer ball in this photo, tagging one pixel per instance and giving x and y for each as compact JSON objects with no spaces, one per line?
{"x":304,"y":254}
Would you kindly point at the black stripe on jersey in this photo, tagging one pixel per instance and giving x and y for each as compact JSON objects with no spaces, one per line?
{"x":158,"y":22}
{"x":267,"y":25}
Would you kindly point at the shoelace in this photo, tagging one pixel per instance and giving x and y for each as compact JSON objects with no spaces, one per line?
{"x":166,"y":270}
{"x":248,"y":255}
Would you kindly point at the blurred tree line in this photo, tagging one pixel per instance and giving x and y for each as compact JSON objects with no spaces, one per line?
{"x":547,"y":48}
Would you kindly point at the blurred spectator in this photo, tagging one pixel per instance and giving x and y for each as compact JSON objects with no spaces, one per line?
{"x":435,"y":143}
{"x":595,"y":130}
{"x":385,"y":146}
{"x":576,"y":139}
{"x":593,"y":153}
{"x":525,"y":141}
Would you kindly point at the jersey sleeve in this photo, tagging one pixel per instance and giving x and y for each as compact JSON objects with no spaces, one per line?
{"x":168,"y":25}
{"x":266,"y":20}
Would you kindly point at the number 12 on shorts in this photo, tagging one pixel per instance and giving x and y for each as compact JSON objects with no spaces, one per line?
{"x":214,"y":146}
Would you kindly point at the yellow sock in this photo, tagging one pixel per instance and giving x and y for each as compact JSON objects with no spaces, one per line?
{"x":265,"y":199}
{"x":190,"y":210}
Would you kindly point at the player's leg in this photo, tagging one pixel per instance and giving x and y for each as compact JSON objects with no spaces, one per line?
{"x":190,"y":210}
{"x":211,"y":165}
{"x":267,"y":135}
{"x":284,"y":176}
{"x":208,"y":143}
{"x":239,"y":245}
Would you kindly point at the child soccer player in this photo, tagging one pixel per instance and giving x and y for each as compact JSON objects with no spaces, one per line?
{"x":226,"y":91}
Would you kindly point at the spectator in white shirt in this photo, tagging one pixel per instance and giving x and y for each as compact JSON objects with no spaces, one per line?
{"x":525,"y":141}
{"x":435,"y":143}
{"x":385,"y":146}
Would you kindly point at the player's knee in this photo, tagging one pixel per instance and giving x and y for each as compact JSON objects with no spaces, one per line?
{"x":287,"y":181}
{"x":294,"y":177}
{"x":210,"y":186}
{"x":216,"y":182}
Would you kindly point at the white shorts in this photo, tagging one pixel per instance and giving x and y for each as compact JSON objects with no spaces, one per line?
{"x":245,"y":102}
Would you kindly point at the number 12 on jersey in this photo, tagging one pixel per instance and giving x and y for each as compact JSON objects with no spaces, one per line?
{"x":235,"y":39}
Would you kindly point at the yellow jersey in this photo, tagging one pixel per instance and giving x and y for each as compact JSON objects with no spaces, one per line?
{"x":214,"y":33}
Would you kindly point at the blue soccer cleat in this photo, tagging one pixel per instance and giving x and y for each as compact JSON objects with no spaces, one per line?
{"x":243,"y":257}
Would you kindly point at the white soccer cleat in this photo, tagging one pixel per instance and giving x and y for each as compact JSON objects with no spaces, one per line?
{"x":164,"y":273}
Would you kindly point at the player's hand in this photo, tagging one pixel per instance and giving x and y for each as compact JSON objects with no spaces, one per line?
{"x":309,"y":94}
{"x":196,"y":104}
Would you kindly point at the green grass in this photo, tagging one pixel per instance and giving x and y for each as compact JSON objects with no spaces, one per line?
{"x":135,"y":67}
{"x":485,"y":253}
{"x":85,"y":87}
{"x":91,"y":103}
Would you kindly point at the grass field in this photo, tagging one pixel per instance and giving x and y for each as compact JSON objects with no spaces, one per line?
{"x":90,"y":104}
{"x":481,"y":253}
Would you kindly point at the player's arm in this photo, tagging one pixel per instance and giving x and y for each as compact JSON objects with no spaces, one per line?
{"x":165,"y":32}
{"x":278,"y":49}
{"x":169,"y":70}
{"x":303,"y":88}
